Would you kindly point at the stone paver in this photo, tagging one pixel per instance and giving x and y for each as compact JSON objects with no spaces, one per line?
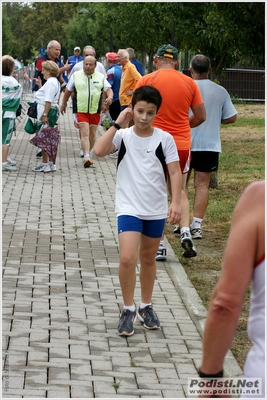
{"x":60,"y":290}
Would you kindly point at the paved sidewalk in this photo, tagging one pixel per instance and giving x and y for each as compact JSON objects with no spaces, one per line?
{"x":61,"y":294}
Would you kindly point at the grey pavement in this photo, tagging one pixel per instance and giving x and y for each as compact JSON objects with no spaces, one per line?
{"x":61,"y":297}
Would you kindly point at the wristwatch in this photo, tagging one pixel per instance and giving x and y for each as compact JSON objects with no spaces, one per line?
{"x":113,"y":123}
{"x":44,"y":115}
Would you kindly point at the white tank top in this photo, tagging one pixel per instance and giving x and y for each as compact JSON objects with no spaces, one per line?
{"x":255,"y":362}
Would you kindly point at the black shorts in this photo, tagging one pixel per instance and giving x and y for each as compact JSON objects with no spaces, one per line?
{"x":204,"y":161}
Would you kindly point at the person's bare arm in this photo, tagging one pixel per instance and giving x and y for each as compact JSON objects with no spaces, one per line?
{"x":245,"y":246}
{"x":175,"y":176}
{"x":230,"y":120}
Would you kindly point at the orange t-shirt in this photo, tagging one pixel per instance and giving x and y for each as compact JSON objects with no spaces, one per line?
{"x":130,"y":76}
{"x":179,"y":92}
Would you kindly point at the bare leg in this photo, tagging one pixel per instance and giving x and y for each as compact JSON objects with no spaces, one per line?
{"x":129,"y":244}
{"x":148,"y":250}
{"x":84,"y":134}
{"x":92,"y":134}
{"x":201,"y":198}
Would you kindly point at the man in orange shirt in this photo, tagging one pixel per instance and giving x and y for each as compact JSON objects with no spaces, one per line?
{"x":129,"y":78}
{"x":179,"y":93}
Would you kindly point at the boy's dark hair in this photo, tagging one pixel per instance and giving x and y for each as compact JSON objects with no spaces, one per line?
{"x":149,"y":94}
{"x":200,"y":64}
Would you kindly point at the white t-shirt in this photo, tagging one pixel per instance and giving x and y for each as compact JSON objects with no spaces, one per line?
{"x":141,"y":185}
{"x":50,"y":91}
{"x":218,"y":105}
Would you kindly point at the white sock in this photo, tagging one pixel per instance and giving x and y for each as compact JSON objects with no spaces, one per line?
{"x":196,"y":223}
{"x":131,"y":308}
{"x":4,"y":163}
{"x":184,"y":229}
{"x":161,"y":243}
{"x":86,"y":156}
{"x":143,"y":305}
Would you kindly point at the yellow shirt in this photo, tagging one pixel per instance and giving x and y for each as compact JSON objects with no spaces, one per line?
{"x":129,"y":78}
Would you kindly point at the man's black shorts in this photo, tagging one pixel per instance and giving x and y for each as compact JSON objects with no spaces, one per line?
{"x":204,"y":161}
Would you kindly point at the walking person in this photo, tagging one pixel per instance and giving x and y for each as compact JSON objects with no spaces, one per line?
{"x":144,"y":154}
{"x":179,"y":94}
{"x":92,"y":92}
{"x":47,"y":109}
{"x":134,"y":61}
{"x":129,"y":78}
{"x":206,"y":141}
{"x":114,"y":72}
{"x":243,"y":264}
{"x":11,"y":95}
{"x":75,"y":58}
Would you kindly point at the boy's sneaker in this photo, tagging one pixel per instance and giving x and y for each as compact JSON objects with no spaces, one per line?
{"x":9,"y":168}
{"x":196,"y":233}
{"x":125,"y":326}
{"x":177,"y":230}
{"x":161,"y":253}
{"x":88,"y":162}
{"x":187,"y":244}
{"x":39,"y":168}
{"x":148,"y":317}
{"x":11,"y":162}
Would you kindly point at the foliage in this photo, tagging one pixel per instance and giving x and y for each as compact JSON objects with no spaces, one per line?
{"x":6,"y":34}
{"x":226,"y":32}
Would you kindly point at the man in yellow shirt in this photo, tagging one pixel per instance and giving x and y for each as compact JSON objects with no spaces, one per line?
{"x":130,"y":77}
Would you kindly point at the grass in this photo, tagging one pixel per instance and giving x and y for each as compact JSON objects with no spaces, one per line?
{"x":242,"y":161}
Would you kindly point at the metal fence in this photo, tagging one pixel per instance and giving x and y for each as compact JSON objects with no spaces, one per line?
{"x":24,"y":77}
{"x":243,"y":84}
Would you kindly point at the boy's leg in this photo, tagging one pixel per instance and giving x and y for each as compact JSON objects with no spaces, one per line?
{"x":129,"y":243}
{"x":147,"y":254}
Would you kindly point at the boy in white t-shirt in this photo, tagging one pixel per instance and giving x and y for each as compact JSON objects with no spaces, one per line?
{"x":145,"y":156}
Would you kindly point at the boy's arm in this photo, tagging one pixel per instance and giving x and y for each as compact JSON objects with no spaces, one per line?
{"x":175,"y":176}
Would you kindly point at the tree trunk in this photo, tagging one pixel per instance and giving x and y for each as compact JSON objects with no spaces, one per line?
{"x":214,"y":180}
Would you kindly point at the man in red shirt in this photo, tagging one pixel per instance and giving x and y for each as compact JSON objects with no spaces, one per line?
{"x":179,"y":93}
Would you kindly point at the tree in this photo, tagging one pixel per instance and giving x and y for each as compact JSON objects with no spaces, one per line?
{"x":7,"y":46}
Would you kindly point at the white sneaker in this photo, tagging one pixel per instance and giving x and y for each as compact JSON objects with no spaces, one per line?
{"x":8,"y":167}
{"x":47,"y":168}
{"x":187,"y":245}
{"x":53,"y":167}
{"x":39,"y":168}
{"x":81,"y":153}
{"x":11,"y":162}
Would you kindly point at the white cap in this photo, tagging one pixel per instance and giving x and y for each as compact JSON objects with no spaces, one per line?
{"x":77,"y":48}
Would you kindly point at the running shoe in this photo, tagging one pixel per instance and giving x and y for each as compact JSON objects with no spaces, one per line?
{"x":177,"y":230}
{"x":126,"y":321}
{"x":39,"y":168}
{"x":161,"y":253}
{"x":196,"y":233}
{"x":11,"y":162}
{"x":114,"y":154}
{"x":9,"y":168}
{"x":187,"y":244}
{"x":148,"y":317}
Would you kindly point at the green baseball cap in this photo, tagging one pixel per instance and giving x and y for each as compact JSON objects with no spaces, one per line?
{"x":168,"y":51}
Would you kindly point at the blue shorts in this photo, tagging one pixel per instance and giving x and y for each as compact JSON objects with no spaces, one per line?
{"x":150,"y":228}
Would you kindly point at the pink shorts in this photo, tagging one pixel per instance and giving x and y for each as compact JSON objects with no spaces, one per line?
{"x":185,"y":158}
{"x":90,"y":119}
